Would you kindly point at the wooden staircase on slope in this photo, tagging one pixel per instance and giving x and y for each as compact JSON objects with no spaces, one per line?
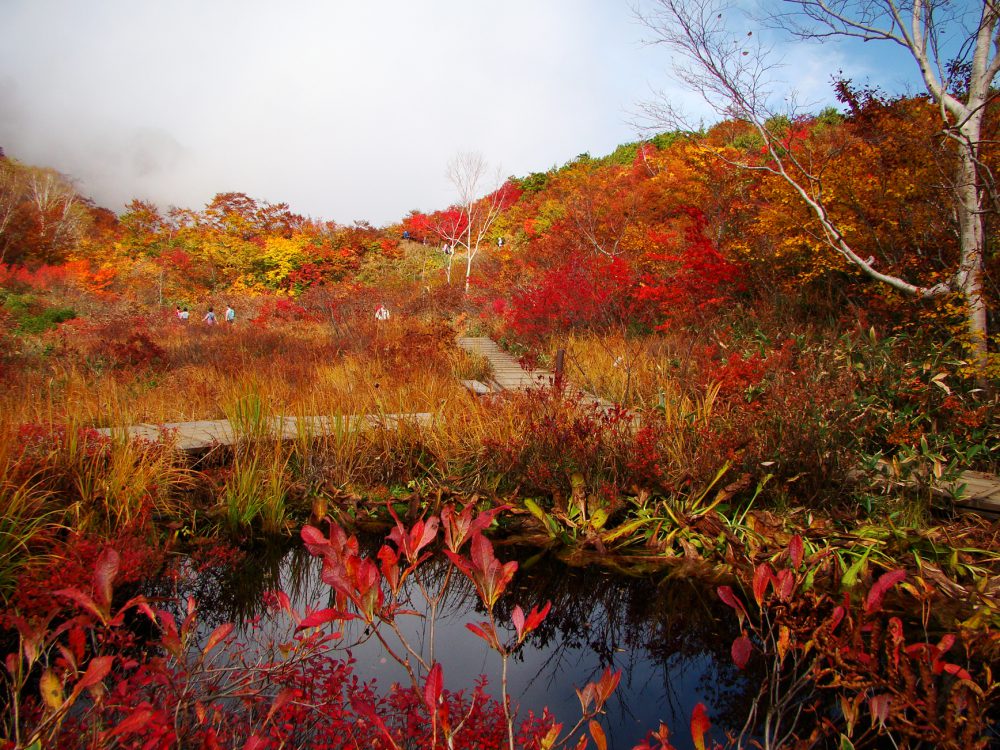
{"x":508,"y":375}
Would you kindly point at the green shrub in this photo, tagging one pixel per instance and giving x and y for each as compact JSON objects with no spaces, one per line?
{"x":31,"y":316}
{"x":45,"y":320}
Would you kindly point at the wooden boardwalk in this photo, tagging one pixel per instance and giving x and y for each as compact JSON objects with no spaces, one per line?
{"x":508,"y":375}
{"x":193,"y":436}
{"x":975,"y":492}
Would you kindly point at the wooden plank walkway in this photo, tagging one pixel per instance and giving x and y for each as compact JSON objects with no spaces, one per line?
{"x":976,"y":492}
{"x":192,"y":436}
{"x":509,"y":375}
{"x":507,"y":371}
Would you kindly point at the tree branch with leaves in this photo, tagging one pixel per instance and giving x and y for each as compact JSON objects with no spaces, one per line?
{"x":735,"y":73}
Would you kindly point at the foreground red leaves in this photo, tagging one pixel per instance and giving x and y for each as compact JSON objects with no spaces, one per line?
{"x":90,"y":672}
{"x":281,"y":684}
{"x":885,"y":680}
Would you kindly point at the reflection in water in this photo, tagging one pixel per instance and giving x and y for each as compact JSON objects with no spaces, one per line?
{"x":671,"y":639}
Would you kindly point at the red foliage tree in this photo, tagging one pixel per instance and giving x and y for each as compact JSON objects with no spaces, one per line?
{"x":590,"y":292}
{"x":691,"y":276}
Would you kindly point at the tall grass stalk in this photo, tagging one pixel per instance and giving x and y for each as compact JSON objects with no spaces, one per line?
{"x":23,"y":519}
{"x":249,"y":416}
{"x":468,"y":366}
{"x":462,"y":431}
{"x":336,"y":456}
{"x":274,"y":490}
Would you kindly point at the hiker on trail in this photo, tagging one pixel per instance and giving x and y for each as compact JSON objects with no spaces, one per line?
{"x":177,"y":312}
{"x":230,"y":314}
{"x":184,"y":315}
{"x":210,"y":317}
{"x":381,"y":312}
{"x":500,"y":242}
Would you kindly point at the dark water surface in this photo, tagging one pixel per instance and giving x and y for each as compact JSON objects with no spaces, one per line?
{"x":670,"y":637}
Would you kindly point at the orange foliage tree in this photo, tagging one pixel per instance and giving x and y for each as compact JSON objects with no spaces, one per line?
{"x":733,"y":73}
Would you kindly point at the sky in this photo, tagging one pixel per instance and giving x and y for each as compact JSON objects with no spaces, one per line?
{"x":345,"y":109}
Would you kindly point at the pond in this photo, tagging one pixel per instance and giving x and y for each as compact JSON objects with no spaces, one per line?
{"x":670,"y":637}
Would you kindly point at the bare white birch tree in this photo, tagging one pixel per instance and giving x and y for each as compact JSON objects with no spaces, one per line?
{"x":734,"y":74}
{"x":470,"y":174}
{"x":56,"y":203}
{"x":50,"y":201}
{"x":12,"y":190}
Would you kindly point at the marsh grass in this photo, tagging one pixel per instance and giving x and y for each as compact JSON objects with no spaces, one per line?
{"x":106,"y":484}
{"x":275,"y":490}
{"x":24,"y":520}
{"x":625,"y":370}
{"x":256,"y":491}
{"x":241,"y":496}
{"x":134,"y":479}
{"x":328,"y":453}
{"x":253,"y":377}
{"x":647,"y":373}
{"x":706,"y":400}
{"x":249,"y":416}
{"x":469,"y":366}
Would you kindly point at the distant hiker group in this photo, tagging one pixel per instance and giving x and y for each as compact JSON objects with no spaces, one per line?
{"x":210,"y":318}
{"x":449,"y":249}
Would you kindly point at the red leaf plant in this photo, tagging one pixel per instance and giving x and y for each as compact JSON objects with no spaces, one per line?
{"x":819,"y":648}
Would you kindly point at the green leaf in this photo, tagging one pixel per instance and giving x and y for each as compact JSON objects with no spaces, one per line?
{"x":533,"y":560}
{"x":850,"y":579}
{"x":535,"y":509}
{"x":598,"y":518}
{"x":552,"y":526}
{"x":625,"y":529}
{"x":556,"y":530}
{"x":810,"y":579}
